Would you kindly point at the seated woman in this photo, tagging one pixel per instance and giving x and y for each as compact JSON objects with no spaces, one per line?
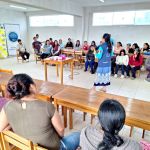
{"x":117,"y":50}
{"x":147,"y":66}
{"x":128,"y":46}
{"x":61,"y":44}
{"x":146,"y":48}
{"x":47,"y":50}
{"x":93,"y":43}
{"x":77,"y":45}
{"x":90,"y":59}
{"x":56,"y":49}
{"x":69,"y":44}
{"x":85,"y":47}
{"x":111,"y":117}
{"x":122,"y":61}
{"x":135,"y":63}
{"x":34,"y":119}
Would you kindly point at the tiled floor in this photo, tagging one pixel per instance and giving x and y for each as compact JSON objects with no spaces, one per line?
{"x":138,"y":89}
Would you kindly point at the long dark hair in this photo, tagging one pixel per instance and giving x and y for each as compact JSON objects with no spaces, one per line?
{"x":123,"y":50}
{"x":19,"y":86}
{"x":137,"y":50}
{"x":136,"y":45}
{"x":106,"y":36}
{"x":112,"y":116}
{"x":77,"y":45}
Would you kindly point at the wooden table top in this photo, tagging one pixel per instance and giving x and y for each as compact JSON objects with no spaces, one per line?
{"x":81,"y":98}
{"x":56,"y":60}
{"x":4,"y":78}
{"x":43,"y":88}
{"x":48,"y":88}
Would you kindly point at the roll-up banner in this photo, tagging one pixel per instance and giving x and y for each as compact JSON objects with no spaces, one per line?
{"x":12,"y":35}
{"x":3,"y":46}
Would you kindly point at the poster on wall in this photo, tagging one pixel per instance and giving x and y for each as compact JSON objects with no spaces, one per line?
{"x":12,"y":35}
{"x":3,"y":46}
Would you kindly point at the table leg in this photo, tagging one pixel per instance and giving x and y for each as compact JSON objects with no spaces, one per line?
{"x":61,"y":73}
{"x":143,"y":134}
{"x":70,"y":119}
{"x":72,"y":70}
{"x":57,"y":71}
{"x":131,"y":131}
{"x":84,"y":116}
{"x":65,"y":117}
{"x":45,"y":68}
{"x":92,"y":117}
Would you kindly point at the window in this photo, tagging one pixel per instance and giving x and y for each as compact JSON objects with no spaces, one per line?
{"x":142,"y":17}
{"x":53,"y":20}
{"x":124,"y":18}
{"x":101,"y":19}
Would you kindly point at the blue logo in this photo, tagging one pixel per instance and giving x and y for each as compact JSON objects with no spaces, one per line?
{"x":13,"y":36}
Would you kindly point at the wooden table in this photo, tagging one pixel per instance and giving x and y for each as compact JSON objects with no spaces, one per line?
{"x":45,"y":90}
{"x":137,"y":112}
{"x":51,"y":60}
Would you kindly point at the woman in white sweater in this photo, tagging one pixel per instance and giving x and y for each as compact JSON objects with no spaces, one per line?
{"x":122,"y":61}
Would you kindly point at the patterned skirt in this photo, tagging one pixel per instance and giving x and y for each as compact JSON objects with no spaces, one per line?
{"x":103,"y":76}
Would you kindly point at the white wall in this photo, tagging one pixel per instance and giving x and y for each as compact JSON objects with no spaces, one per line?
{"x":14,"y":17}
{"x":125,"y":34}
{"x":64,"y":33}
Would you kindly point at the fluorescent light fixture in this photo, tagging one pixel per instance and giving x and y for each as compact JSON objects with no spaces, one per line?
{"x":18,"y":7}
{"x":102,"y":1}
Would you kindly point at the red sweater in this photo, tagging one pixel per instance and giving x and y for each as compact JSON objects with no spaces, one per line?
{"x":134,"y":62}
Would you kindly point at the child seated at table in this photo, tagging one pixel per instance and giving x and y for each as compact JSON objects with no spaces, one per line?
{"x":105,"y":135}
{"x":90,"y":59}
{"x":135,"y":63}
{"x":122,"y":61}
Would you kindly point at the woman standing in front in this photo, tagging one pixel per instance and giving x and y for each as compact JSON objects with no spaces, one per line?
{"x":104,"y":64}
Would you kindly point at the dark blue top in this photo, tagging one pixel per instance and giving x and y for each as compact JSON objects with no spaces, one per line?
{"x":105,"y":60}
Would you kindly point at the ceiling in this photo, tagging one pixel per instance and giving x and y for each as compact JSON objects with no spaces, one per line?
{"x":90,"y":3}
{"x":6,"y":5}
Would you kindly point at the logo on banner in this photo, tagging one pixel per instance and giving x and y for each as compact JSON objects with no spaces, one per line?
{"x":13,"y":36}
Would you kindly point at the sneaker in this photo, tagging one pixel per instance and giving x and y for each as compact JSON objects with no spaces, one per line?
{"x":85,"y":70}
{"x":132,"y":78}
{"x":122,"y":77}
{"x":115,"y":76}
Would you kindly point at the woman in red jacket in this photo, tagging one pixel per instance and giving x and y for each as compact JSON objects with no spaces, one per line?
{"x":135,"y":63}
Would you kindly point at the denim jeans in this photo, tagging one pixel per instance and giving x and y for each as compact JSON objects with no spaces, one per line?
{"x":70,"y":142}
{"x":133,"y":70}
{"x":89,"y":63}
{"x":123,"y":69}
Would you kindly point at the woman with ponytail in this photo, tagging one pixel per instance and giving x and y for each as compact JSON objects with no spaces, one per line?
{"x":104,"y":64}
{"x":111,"y":117}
